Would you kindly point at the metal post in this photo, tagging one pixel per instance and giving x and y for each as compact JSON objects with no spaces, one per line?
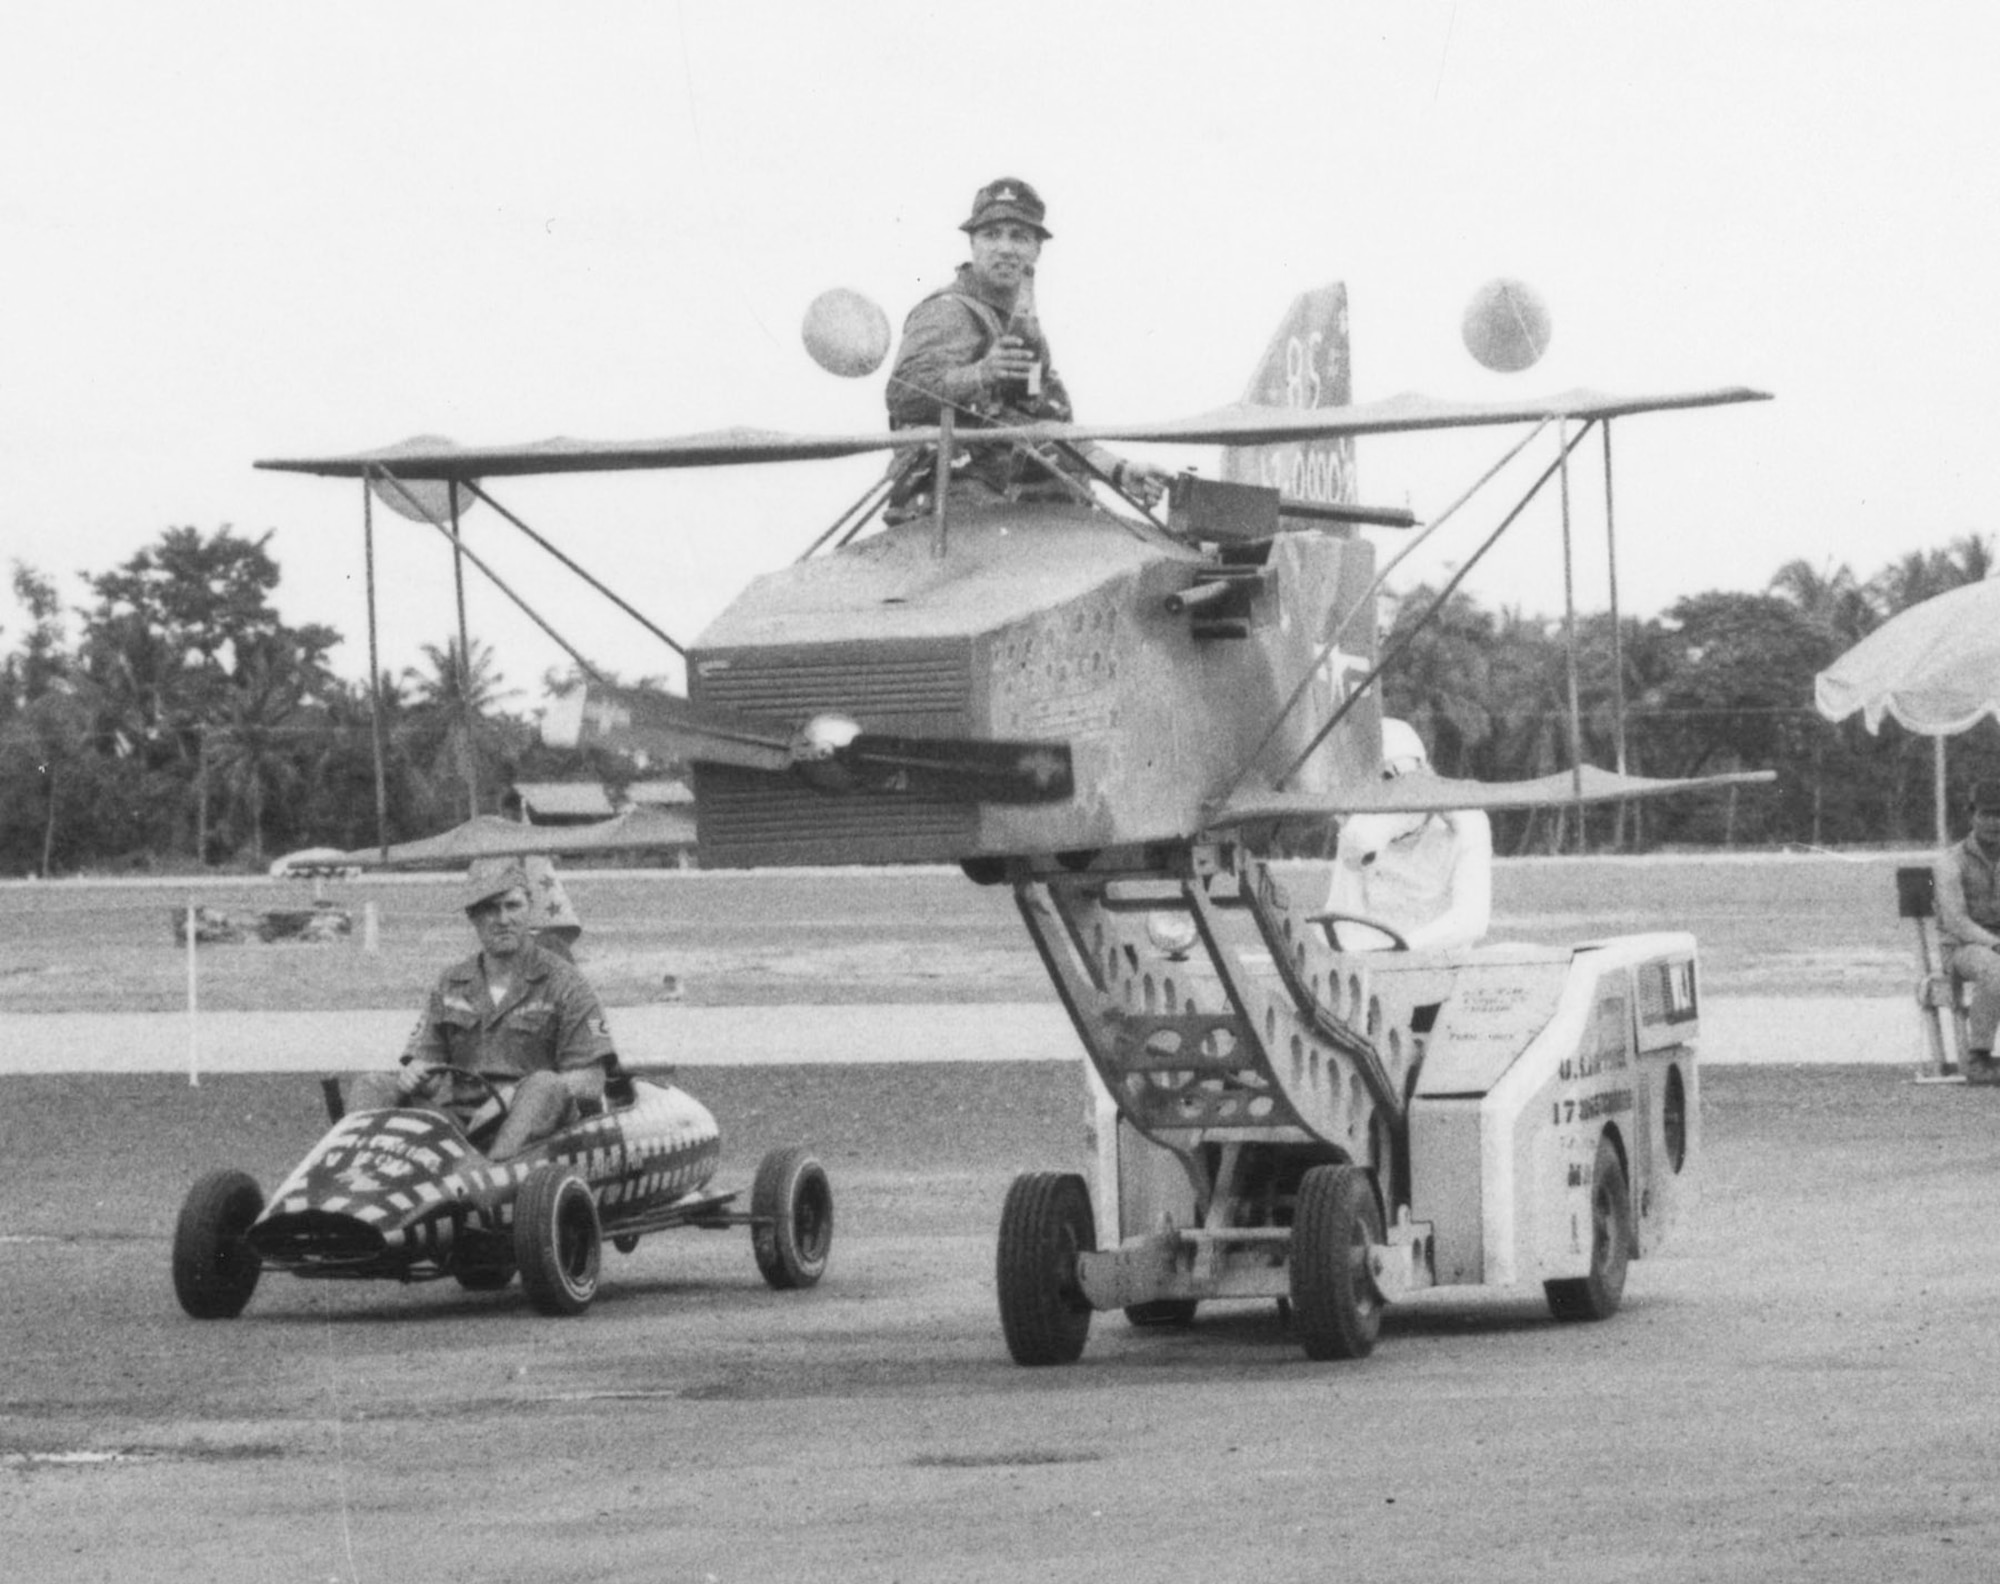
{"x":194,"y":1005}
{"x":1940,"y":801}
{"x":1569,"y":633}
{"x":201,"y":794}
{"x":374,"y":673}
{"x":1617,"y":640}
{"x":941,"y":484}
{"x":466,"y":763}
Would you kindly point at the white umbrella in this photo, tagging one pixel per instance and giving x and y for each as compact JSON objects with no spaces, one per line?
{"x":1935,"y":668}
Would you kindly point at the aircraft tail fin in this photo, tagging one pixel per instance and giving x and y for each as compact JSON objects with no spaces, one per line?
{"x":1306,"y":366}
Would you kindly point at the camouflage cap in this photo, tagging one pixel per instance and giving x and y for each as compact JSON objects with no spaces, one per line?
{"x":1009,"y":198}
{"x":492,"y":877}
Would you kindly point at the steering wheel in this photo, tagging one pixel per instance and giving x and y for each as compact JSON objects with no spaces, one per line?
{"x":485,"y":1086}
{"x":1326,"y":921}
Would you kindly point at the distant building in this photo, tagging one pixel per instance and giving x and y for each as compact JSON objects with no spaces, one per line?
{"x":558,"y":802}
{"x":657,"y":817}
{"x":659,"y":794}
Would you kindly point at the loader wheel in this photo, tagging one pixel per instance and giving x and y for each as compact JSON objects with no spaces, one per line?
{"x":557,"y":1243}
{"x":1597,"y":1296}
{"x":215,"y":1268}
{"x":792,"y":1226}
{"x":1044,"y":1225}
{"x":1335,"y":1307}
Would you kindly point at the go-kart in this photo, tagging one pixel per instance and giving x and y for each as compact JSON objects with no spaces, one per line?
{"x":406,"y":1194}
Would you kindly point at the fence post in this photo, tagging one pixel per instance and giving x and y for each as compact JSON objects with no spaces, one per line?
{"x":194,"y":1006}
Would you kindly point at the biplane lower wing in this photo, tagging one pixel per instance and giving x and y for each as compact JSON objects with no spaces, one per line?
{"x":1440,"y":794}
{"x":646,"y":829}
{"x":1244,"y":423}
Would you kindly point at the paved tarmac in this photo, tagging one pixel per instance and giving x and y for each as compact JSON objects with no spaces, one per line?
{"x":1736,"y":1031}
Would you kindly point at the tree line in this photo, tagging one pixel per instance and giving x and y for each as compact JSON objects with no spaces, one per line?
{"x":185,"y":725}
{"x":1720,"y":681}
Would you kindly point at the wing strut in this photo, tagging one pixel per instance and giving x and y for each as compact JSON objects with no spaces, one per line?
{"x":638,"y":616}
{"x":1366,"y":603}
{"x":460,"y":548}
{"x":1451,"y":587}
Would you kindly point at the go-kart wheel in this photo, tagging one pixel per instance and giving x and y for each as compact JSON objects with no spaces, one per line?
{"x":215,"y":1269}
{"x":1159,"y":1314}
{"x":1335,"y":1308}
{"x":484,"y":1278}
{"x":1044,"y":1225}
{"x":791,"y":1227}
{"x":1597,"y":1296}
{"x":557,"y":1243}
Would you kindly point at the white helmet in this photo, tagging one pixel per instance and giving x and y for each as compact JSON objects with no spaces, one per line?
{"x":1402,"y":749}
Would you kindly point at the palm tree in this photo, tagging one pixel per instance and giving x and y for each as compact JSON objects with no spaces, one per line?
{"x":452,"y":717}
{"x":254,"y":750}
{"x":1441,"y":680}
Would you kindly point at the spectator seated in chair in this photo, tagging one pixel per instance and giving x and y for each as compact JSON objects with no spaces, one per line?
{"x":1968,"y":916}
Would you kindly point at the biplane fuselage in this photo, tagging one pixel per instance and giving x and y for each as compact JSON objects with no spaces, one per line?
{"x":1032,"y":622}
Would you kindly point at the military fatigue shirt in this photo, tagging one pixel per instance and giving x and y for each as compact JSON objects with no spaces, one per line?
{"x":550,"y":1020}
{"x":1968,"y":895}
{"x":937,"y":365}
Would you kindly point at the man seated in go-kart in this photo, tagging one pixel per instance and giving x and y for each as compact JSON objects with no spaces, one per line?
{"x":1427,"y":876}
{"x":514,"y":1014}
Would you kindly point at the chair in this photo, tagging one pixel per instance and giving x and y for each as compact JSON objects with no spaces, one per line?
{"x":1941,"y":994}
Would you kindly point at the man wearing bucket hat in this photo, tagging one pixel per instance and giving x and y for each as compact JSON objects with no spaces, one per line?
{"x":1967,"y":882}
{"x":514,"y":1013}
{"x":976,"y":347}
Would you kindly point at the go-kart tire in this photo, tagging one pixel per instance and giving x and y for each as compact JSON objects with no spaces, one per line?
{"x":558,"y":1245}
{"x":1335,"y":1308}
{"x":1597,"y":1296}
{"x":791,"y":1230}
{"x":215,"y":1269}
{"x":1044,"y":1225}
{"x":485,"y":1278}
{"x":1159,"y":1314}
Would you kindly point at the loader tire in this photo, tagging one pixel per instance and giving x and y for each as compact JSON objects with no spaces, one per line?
{"x":1044,"y":1225}
{"x":1335,"y":1307}
{"x":1597,"y":1296}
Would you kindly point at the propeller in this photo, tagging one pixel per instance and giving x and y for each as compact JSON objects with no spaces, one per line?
{"x":829,"y":752}
{"x":657,"y":722}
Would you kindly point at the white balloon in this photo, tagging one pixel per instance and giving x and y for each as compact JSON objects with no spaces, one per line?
{"x":846,"y":333}
{"x":1506,"y":326}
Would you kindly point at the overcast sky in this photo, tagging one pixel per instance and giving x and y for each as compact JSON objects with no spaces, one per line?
{"x":244,"y":230}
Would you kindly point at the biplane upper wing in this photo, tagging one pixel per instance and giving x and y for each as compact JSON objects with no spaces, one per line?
{"x":1440,"y":794}
{"x":1239,"y":424}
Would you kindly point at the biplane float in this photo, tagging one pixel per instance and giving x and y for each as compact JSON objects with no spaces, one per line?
{"x":1113,"y":714}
